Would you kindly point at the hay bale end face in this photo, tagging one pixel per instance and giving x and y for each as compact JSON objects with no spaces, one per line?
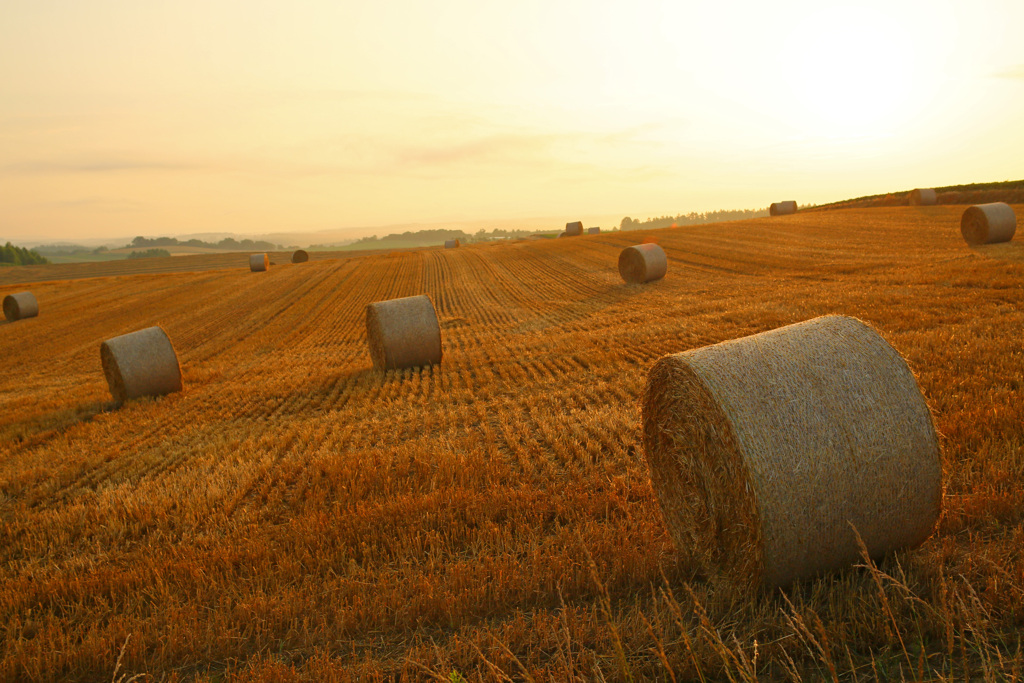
{"x":574,"y":229}
{"x":642,"y":263}
{"x":922,"y":197}
{"x":782,"y":208}
{"x":259,"y":263}
{"x":765,"y":450}
{"x":988,"y":223}
{"x":300,"y":256}
{"x":140,"y":363}
{"x":403,"y":333}
{"x":452,"y":244}
{"x":593,"y":231}
{"x":20,"y":305}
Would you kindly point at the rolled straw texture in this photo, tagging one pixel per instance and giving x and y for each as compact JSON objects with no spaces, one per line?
{"x":259,"y":263}
{"x":782,"y":208}
{"x":140,"y":363}
{"x":451,"y":244}
{"x":765,"y":450}
{"x":593,"y":231}
{"x":403,"y":333}
{"x":923,"y":197}
{"x":574,"y":229}
{"x":300,"y":256}
{"x":642,"y":263}
{"x":988,"y":223}
{"x":20,"y":305}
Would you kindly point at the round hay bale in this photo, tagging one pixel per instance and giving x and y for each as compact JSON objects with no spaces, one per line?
{"x":451,"y":244}
{"x":988,"y":223}
{"x":593,"y":231}
{"x":140,"y":363}
{"x":403,"y":333}
{"x":300,"y":256}
{"x":20,"y":305}
{"x":574,"y":229}
{"x":782,"y":208}
{"x":765,"y":450}
{"x":259,"y":263}
{"x":922,"y":197}
{"x":642,"y":263}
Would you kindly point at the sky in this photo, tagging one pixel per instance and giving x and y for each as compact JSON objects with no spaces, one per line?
{"x":123,"y":118}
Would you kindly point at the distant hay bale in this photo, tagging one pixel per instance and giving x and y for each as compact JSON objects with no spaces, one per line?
{"x":765,"y":450}
{"x":403,"y":333}
{"x":259,"y":263}
{"x":593,"y":231}
{"x":574,"y":229}
{"x":782,"y":208}
{"x":988,"y":223}
{"x":300,"y":256}
{"x":20,"y":305}
{"x":562,"y":234}
{"x":642,"y":263}
{"x":140,"y":363}
{"x":922,"y":197}
{"x":452,"y":244}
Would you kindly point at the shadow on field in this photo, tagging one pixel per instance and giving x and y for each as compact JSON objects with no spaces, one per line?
{"x":1007,"y":251}
{"x":43,"y":427}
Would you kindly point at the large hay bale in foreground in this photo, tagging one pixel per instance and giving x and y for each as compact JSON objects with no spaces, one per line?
{"x":988,"y":223}
{"x":140,"y":363}
{"x":782,"y":208}
{"x":642,"y":263}
{"x":259,"y":263}
{"x":300,"y":256}
{"x":765,"y":450}
{"x":452,"y":244}
{"x":403,"y":333}
{"x":593,"y":231}
{"x":922,"y":197}
{"x":574,"y":229}
{"x":20,"y":305}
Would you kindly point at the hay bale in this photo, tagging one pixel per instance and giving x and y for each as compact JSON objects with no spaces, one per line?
{"x":574,"y":229}
{"x":259,"y":263}
{"x":593,"y":231}
{"x":642,"y":263}
{"x":922,"y":197}
{"x":452,"y":244}
{"x":782,"y":208}
{"x":764,"y":450}
{"x":20,"y":305}
{"x":403,"y":333}
{"x":988,"y":223}
{"x":140,"y":363}
{"x":300,"y":256}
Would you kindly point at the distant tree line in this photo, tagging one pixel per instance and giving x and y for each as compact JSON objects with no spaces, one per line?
{"x":149,"y":253}
{"x":20,"y":256}
{"x":692,"y":218}
{"x":227,"y":244}
{"x":437,"y":236}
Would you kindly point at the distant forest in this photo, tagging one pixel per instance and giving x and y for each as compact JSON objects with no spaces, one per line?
{"x":227,"y":244}
{"x":691,"y":219}
{"x":20,"y":256}
{"x":430,"y":237}
{"x":150,"y":253}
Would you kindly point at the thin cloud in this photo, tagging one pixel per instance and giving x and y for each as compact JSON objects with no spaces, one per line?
{"x":1015,"y":72}
{"x":97,"y":166}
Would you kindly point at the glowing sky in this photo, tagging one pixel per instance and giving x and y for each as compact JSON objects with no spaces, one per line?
{"x":121,"y":117}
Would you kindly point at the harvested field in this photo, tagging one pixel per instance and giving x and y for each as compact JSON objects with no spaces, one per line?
{"x":295,"y":515}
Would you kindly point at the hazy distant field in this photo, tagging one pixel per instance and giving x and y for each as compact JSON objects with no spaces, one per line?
{"x":294,"y":515}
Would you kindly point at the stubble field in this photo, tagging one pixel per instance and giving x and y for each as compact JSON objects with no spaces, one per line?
{"x":296,"y":515}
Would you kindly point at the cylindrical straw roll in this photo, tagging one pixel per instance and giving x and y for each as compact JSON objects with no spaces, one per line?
{"x":988,"y":223}
{"x":593,"y":231}
{"x":300,"y":256}
{"x":403,"y":333}
{"x":451,"y":244}
{"x":766,"y":452}
{"x":20,"y":305}
{"x":574,"y":229}
{"x":140,"y":363}
{"x":642,"y":263}
{"x":259,"y":263}
{"x":922,"y":197}
{"x":782,"y":208}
